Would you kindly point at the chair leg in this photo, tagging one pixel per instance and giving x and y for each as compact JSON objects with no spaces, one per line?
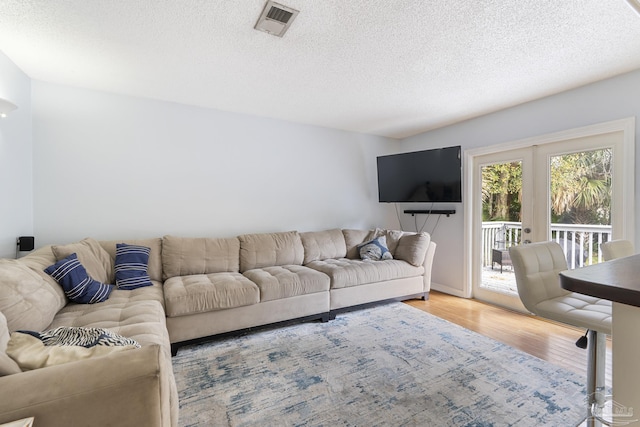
{"x":597,"y":353}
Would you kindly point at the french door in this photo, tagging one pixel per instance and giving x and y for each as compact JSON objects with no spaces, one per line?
{"x":506,"y":186}
{"x":573,"y":190}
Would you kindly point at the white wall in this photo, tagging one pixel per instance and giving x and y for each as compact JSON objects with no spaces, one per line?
{"x":16,"y":205}
{"x":111,"y":166}
{"x":608,"y":100}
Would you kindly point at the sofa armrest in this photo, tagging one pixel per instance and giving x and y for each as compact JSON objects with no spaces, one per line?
{"x":120,"y":389}
{"x":428,"y":265}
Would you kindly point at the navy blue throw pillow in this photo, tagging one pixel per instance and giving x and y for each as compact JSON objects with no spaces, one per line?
{"x":78,"y":286}
{"x":131,"y":266}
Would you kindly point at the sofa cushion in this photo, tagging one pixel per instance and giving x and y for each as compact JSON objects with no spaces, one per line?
{"x":7,"y":365}
{"x":413,"y":248}
{"x":287,"y":281}
{"x":27,"y":300}
{"x":353,"y":238}
{"x":92,"y":256}
{"x":154,"y":268}
{"x":131,"y":266}
{"x":77,"y":284}
{"x":347,"y":272}
{"x":183,"y":256}
{"x":37,"y":261}
{"x":374,"y":250}
{"x":30,"y":353}
{"x":146,"y":293}
{"x":323,"y":244}
{"x":270,"y":249}
{"x":201,"y":293}
{"x":141,"y":320}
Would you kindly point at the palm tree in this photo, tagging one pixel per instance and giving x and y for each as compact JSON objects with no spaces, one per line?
{"x":581,"y":187}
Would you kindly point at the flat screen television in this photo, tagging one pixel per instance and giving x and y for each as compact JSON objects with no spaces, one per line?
{"x":421,"y":176}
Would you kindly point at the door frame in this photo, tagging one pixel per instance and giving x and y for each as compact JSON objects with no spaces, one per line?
{"x":627,"y":229}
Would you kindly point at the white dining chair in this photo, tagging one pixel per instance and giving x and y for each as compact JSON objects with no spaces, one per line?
{"x":537,"y":267}
{"x":616,"y":249}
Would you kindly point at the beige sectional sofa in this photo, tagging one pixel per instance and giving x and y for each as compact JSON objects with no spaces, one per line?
{"x":200,"y":287}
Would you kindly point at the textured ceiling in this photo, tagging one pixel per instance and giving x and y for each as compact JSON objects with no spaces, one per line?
{"x":392,"y":68}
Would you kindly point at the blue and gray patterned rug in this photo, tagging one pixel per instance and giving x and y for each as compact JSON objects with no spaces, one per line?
{"x":390,"y":365}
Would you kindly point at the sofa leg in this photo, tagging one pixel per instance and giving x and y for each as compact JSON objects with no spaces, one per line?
{"x":425,"y":297}
{"x":326,"y":317}
{"x":174,"y":349}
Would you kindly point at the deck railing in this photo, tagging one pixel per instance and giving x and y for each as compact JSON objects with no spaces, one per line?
{"x":580,"y":242}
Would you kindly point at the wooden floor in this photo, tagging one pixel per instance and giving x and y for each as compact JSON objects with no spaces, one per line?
{"x":542,"y":338}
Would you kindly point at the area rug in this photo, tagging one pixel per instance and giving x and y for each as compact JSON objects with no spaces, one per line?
{"x":389,"y":365}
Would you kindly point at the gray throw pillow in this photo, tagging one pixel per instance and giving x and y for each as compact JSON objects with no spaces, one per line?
{"x":374,"y":250}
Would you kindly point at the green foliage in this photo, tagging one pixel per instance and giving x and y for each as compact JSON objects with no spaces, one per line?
{"x":580,"y":189}
{"x":501,"y":192}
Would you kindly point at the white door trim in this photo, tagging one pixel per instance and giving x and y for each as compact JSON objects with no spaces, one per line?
{"x":627,"y":126}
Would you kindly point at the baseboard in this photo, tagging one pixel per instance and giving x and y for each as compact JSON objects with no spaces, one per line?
{"x":448,"y":290}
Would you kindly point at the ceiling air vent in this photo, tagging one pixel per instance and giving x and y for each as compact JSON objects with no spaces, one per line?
{"x":275,"y":19}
